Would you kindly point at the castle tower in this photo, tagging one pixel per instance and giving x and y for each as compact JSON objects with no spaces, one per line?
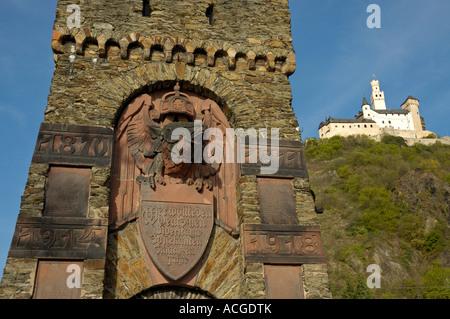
{"x":108,"y":211}
{"x":411,"y":104}
{"x":377,"y":96}
{"x":365,"y":107}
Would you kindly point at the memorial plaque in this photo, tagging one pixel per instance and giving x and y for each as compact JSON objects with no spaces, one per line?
{"x":67,"y":192}
{"x":292,"y":162}
{"x":59,"y":237}
{"x":73,"y":144}
{"x":175,"y":234}
{"x":277,"y":201}
{"x":283,"y":244}
{"x":51,"y":280}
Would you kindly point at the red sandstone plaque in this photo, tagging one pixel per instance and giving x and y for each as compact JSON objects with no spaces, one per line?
{"x":283,"y":282}
{"x":175,"y":234}
{"x":51,"y":280}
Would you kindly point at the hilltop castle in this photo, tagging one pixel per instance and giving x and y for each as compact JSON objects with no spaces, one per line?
{"x":378,"y":120}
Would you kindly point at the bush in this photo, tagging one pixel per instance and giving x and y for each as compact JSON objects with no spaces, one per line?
{"x":324,"y":149}
{"x":434,"y":241}
{"x":379,"y":212}
{"x":357,"y":289}
{"x":344,"y":171}
{"x":396,"y":140}
{"x":353,"y":184}
{"x":436,"y":282}
{"x":447,"y":179}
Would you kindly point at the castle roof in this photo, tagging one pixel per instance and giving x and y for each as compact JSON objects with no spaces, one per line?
{"x":410,"y":98}
{"x":365,"y":102}
{"x":389,"y":111}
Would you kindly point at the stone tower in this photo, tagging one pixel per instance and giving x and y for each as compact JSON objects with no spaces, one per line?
{"x":107,"y":212}
{"x":377,"y":97}
{"x":411,"y":104}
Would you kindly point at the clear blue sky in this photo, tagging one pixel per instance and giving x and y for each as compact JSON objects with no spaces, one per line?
{"x":336,"y":56}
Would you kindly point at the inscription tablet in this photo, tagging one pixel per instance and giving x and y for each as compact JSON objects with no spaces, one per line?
{"x":67,"y":192}
{"x":51,"y":280}
{"x":175,"y":234}
{"x":277,"y":201}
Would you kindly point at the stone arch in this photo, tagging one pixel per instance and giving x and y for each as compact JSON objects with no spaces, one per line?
{"x":157,"y":53}
{"x":179,"y":54}
{"x":221,"y":60}
{"x":90,"y":47}
{"x":149,"y":77}
{"x":200,"y":57}
{"x":112,"y":49}
{"x":135,"y":51}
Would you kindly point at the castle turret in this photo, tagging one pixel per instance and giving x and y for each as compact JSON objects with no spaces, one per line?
{"x":365,"y":107}
{"x":377,"y":97}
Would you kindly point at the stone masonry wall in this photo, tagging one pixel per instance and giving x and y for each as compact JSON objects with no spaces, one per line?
{"x":242,"y":61}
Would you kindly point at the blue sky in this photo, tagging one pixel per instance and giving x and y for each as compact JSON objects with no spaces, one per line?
{"x":336,"y":56}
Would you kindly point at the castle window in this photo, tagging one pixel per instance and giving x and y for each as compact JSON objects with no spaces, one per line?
{"x":365,"y":125}
{"x":146,"y":10}
{"x":390,"y":122}
{"x":210,"y":14}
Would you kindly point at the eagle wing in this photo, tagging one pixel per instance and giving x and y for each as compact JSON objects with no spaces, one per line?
{"x":143,"y":136}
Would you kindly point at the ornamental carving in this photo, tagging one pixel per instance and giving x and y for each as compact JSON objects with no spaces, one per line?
{"x":176,"y":203}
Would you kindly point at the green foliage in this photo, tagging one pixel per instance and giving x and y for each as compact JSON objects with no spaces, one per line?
{"x":447,"y":178}
{"x":411,"y":229}
{"x":353,"y":184}
{"x":431,"y":135}
{"x":429,"y":165}
{"x":357,"y":289}
{"x":396,"y":140}
{"x":362,"y":182}
{"x":324,"y":149}
{"x":434,"y":241}
{"x":343,"y":254}
{"x":344,"y":171}
{"x":436,"y":283}
{"x":379,"y":212}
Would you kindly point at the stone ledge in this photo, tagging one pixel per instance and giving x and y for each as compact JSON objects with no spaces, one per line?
{"x":258,"y":56}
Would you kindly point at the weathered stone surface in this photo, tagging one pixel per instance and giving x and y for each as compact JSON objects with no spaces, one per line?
{"x":315,"y":279}
{"x":18,"y":278}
